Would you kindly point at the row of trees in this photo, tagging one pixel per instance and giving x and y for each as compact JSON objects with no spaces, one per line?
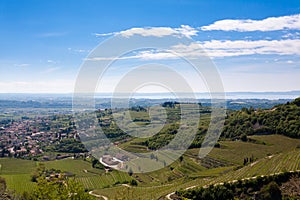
{"x":162,"y":138}
{"x":68,"y":145}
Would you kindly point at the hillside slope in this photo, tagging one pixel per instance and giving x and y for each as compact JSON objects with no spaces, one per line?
{"x":281,"y":119}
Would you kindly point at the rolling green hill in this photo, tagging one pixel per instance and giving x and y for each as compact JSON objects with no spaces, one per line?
{"x":282,"y":119}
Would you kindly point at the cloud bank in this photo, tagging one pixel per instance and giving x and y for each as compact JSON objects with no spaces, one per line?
{"x":291,"y":22}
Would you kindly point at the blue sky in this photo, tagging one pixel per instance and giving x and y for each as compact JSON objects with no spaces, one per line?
{"x":254,"y":44}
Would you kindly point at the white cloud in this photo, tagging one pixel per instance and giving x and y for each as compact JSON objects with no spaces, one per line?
{"x":295,"y":35}
{"x":182,"y":31}
{"x":104,"y":34}
{"x":22,"y":65}
{"x":218,"y":48}
{"x":52,"y":34}
{"x":156,"y":55}
{"x":290,"y":62}
{"x":50,"y":70}
{"x":82,"y":50}
{"x":143,"y":55}
{"x":291,"y":22}
{"x":243,"y":47}
{"x":51,"y":61}
{"x":79,"y":50}
{"x":111,"y":58}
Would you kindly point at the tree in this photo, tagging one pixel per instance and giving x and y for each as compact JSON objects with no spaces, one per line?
{"x":271,"y":192}
{"x":4,"y":194}
{"x":94,"y":162}
{"x":244,"y":137}
{"x":69,"y":145}
{"x":297,"y":101}
{"x":38,"y":172}
{"x":152,"y":156}
{"x":130,"y":172}
{"x":245,"y":161}
{"x":133,"y":182}
{"x":170,"y":104}
{"x":60,"y":189}
{"x":221,"y":192}
{"x":2,"y":185}
{"x":181,"y":158}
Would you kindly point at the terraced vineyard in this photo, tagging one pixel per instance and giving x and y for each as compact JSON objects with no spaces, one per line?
{"x":285,"y":161}
{"x":277,"y":154}
{"x":234,"y":152}
{"x":78,"y":167}
{"x":104,"y":180}
{"x":269,"y":165}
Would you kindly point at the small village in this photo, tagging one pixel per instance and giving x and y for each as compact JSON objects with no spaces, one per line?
{"x":27,"y":138}
{"x":30,"y":138}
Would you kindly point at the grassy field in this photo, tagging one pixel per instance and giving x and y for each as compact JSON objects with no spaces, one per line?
{"x":18,"y":173}
{"x":274,"y":153}
{"x":19,"y":182}
{"x":16,"y":166}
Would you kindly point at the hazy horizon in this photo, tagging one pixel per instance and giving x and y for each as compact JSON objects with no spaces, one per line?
{"x":164,"y":95}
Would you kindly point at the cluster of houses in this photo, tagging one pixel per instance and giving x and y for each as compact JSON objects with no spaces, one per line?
{"x":27,"y":138}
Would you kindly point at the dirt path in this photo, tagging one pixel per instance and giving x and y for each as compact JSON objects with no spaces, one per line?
{"x":169,"y":195}
{"x":98,"y":195}
{"x":126,"y":185}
